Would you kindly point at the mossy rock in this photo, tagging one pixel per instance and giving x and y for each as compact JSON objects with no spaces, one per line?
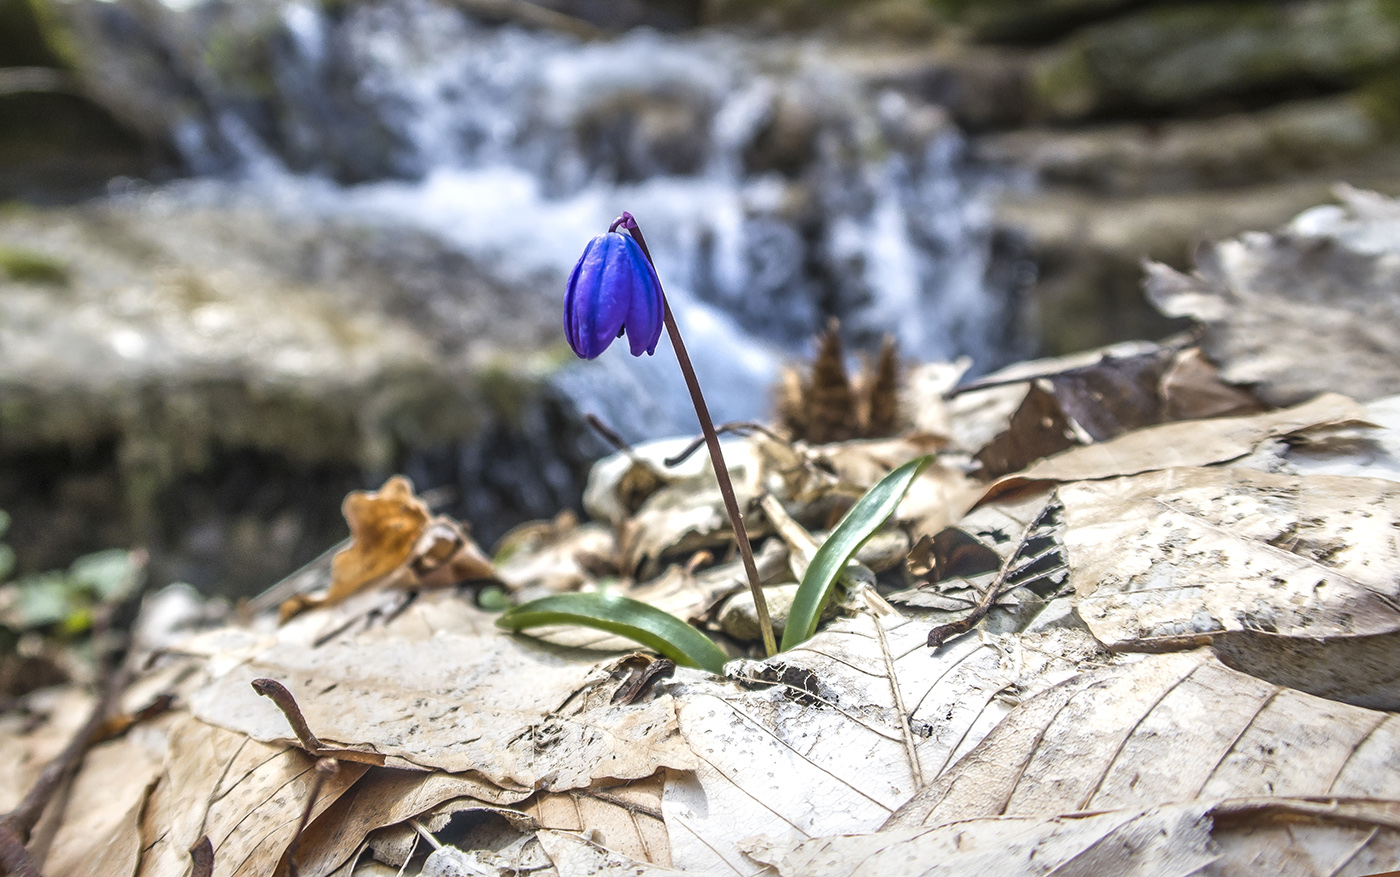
{"x":1173,"y":57}
{"x":1025,"y":20}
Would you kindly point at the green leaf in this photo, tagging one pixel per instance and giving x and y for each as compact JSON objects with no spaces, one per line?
{"x":107,"y":574}
{"x":623,"y":616}
{"x":44,"y":599}
{"x":859,"y":524}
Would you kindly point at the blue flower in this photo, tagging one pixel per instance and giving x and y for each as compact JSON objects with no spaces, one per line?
{"x":613,"y":289}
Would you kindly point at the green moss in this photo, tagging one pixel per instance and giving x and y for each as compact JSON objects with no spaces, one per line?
{"x":1380,"y":99}
{"x":27,"y":266}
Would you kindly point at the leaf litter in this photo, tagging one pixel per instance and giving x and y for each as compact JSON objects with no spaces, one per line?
{"x":1079,"y":727}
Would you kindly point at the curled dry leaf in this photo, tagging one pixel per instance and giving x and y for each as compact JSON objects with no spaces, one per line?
{"x":395,"y":541}
{"x":1273,"y":561}
{"x":1303,"y":837}
{"x":1164,"y":729}
{"x":1288,"y":312}
{"x":1188,"y":443}
{"x":385,"y":525}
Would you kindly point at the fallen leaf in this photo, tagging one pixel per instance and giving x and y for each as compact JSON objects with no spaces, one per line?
{"x":625,"y":819}
{"x":382,"y":797}
{"x":385,"y":525}
{"x":1309,"y":309}
{"x":1303,"y":837}
{"x":1187,"y":443}
{"x":824,"y":744}
{"x":1163,"y":729}
{"x":1165,"y":841}
{"x":247,"y":797}
{"x":574,"y":856}
{"x":100,"y":833}
{"x":1276,"y":562}
{"x":488,"y":703}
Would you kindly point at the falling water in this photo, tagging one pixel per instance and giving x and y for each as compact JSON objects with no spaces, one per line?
{"x":776,"y":189}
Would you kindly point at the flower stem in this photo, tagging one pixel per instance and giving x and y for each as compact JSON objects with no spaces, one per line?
{"x":707,"y":427}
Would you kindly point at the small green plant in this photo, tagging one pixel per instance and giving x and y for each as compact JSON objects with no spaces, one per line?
{"x":32,"y":267}
{"x":686,"y":645}
{"x":63,"y":601}
{"x":855,"y":529}
{"x":633,"y":619}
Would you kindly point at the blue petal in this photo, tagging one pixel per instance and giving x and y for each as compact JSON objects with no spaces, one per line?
{"x":613,"y":287}
{"x":594,"y":310}
{"x":646,"y":303}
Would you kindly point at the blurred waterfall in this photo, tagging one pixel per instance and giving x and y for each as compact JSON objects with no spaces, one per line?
{"x":776,"y":189}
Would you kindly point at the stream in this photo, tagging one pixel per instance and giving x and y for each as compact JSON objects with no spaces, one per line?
{"x":776,"y":188}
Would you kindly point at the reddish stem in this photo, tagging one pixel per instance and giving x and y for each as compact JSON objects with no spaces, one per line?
{"x":707,"y":427}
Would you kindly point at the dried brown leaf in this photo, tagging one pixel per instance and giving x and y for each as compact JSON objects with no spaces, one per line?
{"x":247,"y":797}
{"x":1187,"y":443}
{"x":488,"y":703}
{"x":100,"y":832}
{"x":385,"y":525}
{"x":625,"y":819}
{"x":1273,"y":561}
{"x":1295,"y":836}
{"x":1289,"y":312}
{"x":1165,"y":729}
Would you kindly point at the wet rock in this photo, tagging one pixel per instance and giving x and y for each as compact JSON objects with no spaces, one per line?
{"x":211,"y":382}
{"x":786,"y":142}
{"x":981,"y":88}
{"x":1180,"y":56}
{"x":635,"y":135}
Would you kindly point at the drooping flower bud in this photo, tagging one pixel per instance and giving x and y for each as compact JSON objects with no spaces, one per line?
{"x":613,"y":290}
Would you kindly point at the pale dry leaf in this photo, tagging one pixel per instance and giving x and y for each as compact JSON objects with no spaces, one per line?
{"x":29,"y":742}
{"x":1312,"y":308}
{"x":1184,"y":555}
{"x":607,"y":497}
{"x":1163,"y":842}
{"x":574,"y":856}
{"x":246,"y":796}
{"x":100,"y":832}
{"x":455,"y":703}
{"x":1187,"y":443}
{"x":560,"y":564}
{"x":384,"y":796}
{"x":1276,"y":836}
{"x":1305,"y":837}
{"x":1164,"y":729}
{"x":625,"y":819}
{"x":821,"y":747}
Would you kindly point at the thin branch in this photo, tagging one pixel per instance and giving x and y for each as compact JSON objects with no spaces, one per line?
{"x":900,"y":713}
{"x":278,"y":694}
{"x":740,"y":427}
{"x":16,"y":825}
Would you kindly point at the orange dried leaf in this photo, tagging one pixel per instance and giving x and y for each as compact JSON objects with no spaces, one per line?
{"x":384,"y":528}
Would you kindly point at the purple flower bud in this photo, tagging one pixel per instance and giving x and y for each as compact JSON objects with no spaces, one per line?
{"x":613,"y":289}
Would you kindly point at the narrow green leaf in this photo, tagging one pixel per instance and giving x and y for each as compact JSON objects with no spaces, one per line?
{"x":623,"y":616}
{"x":859,"y":524}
